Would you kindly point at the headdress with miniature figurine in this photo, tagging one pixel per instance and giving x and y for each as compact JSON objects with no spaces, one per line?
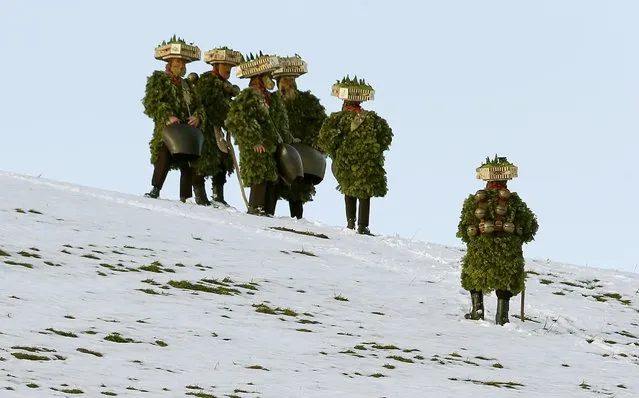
{"x":176,"y":47}
{"x":223,"y":55}
{"x":497,"y":169}
{"x":291,"y":66}
{"x":253,"y":65}
{"x":353,"y":90}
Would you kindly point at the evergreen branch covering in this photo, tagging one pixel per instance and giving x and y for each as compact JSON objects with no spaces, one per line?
{"x":250,"y":124}
{"x":495,"y":261}
{"x":356,"y":142}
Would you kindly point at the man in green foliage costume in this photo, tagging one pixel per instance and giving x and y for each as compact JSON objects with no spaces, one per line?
{"x":170,"y":99}
{"x":258,"y":122}
{"x":305,"y":117}
{"x":494,"y":224}
{"x":355,"y":140}
{"x":215,"y":92}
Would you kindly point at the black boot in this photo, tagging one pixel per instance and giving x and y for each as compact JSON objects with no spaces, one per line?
{"x":271,"y":198}
{"x":297,"y":208}
{"x":217,"y":192}
{"x":503,"y":301}
{"x":363,"y":216}
{"x":477,"y":312}
{"x":155,"y":193}
{"x":200,"y":192}
{"x":351,"y":209}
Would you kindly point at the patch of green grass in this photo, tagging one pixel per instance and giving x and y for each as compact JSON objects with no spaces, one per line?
{"x":419,"y":357}
{"x":573,"y":284}
{"x":610,"y":342}
{"x":26,"y":265}
{"x":32,"y":349}
{"x":19,"y":210}
{"x":200,"y":394}
{"x":339,"y":297}
{"x":304,"y":330}
{"x":151,"y":282}
{"x":377,"y":375}
{"x":117,"y":338}
{"x":265,"y":309}
{"x":62,"y":333}
{"x":27,"y":254}
{"x":400,"y":358}
{"x":34,"y":211}
{"x":33,"y":385}
{"x":498,"y":365}
{"x":388,"y":366}
{"x":584,"y":385}
{"x":385,"y":347}
{"x":308,"y":321}
{"x":87,"y":351}
{"x":90,"y":332}
{"x":4,"y":253}
{"x":72,"y":391}
{"x":359,"y":347}
{"x":108,"y":393}
{"x":259,"y":367}
{"x":161,"y":343}
{"x":560,"y":293}
{"x":455,"y":355}
{"x":627,"y":334}
{"x":156,"y":267}
{"x":91,"y":256}
{"x":377,"y":313}
{"x":304,"y":252}
{"x":545,"y":281}
{"x":498,"y":384}
{"x":621,"y":386}
{"x":248,"y":286}
{"x":148,"y":291}
{"x":532,"y":273}
{"x":351,"y":352}
{"x":198,"y":287}
{"x":307,"y":233}
{"x":31,"y":357}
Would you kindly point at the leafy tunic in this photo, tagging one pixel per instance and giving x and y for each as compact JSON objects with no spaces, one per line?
{"x":252,"y":122}
{"x":305,"y":118}
{"x":356,"y":142}
{"x":495,"y":261}
{"x":216,"y":104}
{"x":164,"y":98}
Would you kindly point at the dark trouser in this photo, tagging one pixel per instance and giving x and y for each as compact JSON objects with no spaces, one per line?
{"x":363,"y":212}
{"x":263,"y":198}
{"x":503,"y":301}
{"x":161,"y":170}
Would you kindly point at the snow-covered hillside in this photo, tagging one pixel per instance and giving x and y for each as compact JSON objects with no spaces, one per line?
{"x":107,"y":294}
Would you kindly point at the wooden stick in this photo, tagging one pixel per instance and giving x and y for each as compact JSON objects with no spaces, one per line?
{"x":523,"y":293}
{"x":237,"y":168}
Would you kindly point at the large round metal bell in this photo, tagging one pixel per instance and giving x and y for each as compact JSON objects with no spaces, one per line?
{"x":193,"y":77}
{"x":501,"y":210}
{"x":480,"y":212}
{"x":504,"y":193}
{"x":289,"y":163}
{"x":487,"y":227}
{"x":480,"y":195}
{"x":313,"y":161}
{"x":183,"y":141}
{"x":471,"y":230}
{"x":509,"y":227}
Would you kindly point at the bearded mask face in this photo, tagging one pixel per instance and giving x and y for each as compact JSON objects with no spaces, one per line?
{"x":268,"y":82}
{"x":177,"y":66}
{"x":288,"y":87}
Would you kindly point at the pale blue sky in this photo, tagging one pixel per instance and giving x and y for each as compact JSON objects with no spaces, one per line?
{"x":553,"y":85}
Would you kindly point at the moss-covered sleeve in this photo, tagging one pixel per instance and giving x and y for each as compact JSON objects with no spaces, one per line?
{"x":279,"y":117}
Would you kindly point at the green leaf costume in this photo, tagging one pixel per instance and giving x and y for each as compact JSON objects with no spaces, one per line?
{"x":216,"y":103}
{"x":305,"y":118}
{"x":165,"y":97}
{"x":495,"y":261}
{"x":356,"y":142}
{"x":251,"y":122}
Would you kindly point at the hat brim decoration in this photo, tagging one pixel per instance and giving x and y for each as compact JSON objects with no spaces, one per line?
{"x":177,"y":48}
{"x":259,"y":65}
{"x":223,"y":55}
{"x":499,"y":169}
{"x":291,"y":67}
{"x":353,"y":90}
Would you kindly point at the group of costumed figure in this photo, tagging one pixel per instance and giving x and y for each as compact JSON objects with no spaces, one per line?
{"x":284,"y":137}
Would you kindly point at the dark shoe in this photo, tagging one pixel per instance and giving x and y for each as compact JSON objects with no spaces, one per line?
{"x":501,"y":317}
{"x":297,"y":208}
{"x":350,"y":223}
{"x":183,"y":199}
{"x":257,"y":211}
{"x":155,"y":193}
{"x":362,"y":230}
{"x":477,"y":312}
{"x":200,"y":195}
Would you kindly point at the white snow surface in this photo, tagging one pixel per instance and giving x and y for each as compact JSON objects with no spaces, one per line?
{"x":378,"y":316}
